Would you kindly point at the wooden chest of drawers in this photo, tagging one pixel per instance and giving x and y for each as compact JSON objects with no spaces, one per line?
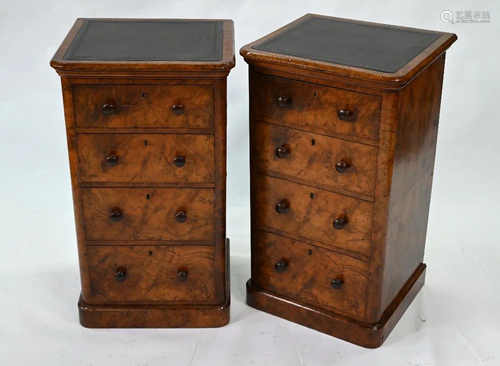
{"x":343,"y":130}
{"x":145,"y":109}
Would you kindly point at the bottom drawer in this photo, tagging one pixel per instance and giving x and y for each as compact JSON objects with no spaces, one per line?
{"x":151,"y":274}
{"x":309,"y":274}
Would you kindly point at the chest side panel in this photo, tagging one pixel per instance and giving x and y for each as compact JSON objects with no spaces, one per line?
{"x":414,"y":155}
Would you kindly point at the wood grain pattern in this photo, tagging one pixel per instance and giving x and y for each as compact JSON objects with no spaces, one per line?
{"x":385,"y":159}
{"x":144,"y":106}
{"x":414,"y":155}
{"x":314,"y":107}
{"x":388,"y":185}
{"x":145,"y":158}
{"x":308,"y":274}
{"x":222,"y":250}
{"x":151,"y":274}
{"x":157,"y":316}
{"x":160,"y":315}
{"x":311,"y":214}
{"x":369,"y":335}
{"x":149,"y":214}
{"x":315,"y":161}
{"x":144,"y":136}
{"x":75,"y":185}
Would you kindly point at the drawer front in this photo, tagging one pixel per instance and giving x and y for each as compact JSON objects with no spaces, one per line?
{"x":146,"y":158}
{"x":316,"y":108}
{"x":315,"y":159}
{"x":309,"y":274}
{"x":180,"y":214}
{"x":162,"y":106}
{"x":151,"y":274}
{"x":306,"y":213}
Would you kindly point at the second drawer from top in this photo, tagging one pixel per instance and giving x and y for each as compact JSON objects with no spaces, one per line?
{"x":315,"y":159}
{"x":146,"y":158}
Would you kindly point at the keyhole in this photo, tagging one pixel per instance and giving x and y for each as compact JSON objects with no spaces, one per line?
{"x":313,"y":142}
{"x":312,"y":195}
{"x":145,"y":142}
{"x":147,"y":196}
{"x":315,"y":95}
{"x":150,"y":253}
{"x":310,"y":252}
{"x":143,"y":94}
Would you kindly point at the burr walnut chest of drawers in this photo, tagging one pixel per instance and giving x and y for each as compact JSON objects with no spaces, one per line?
{"x":145,"y":110}
{"x":343,"y":128}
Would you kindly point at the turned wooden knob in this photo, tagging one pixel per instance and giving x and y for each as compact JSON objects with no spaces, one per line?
{"x":178,"y":109}
{"x":336,"y":283}
{"x":181,"y":216}
{"x":282,"y":152}
{"x":120,"y":274}
{"x":182,"y":275}
{"x":343,"y":165}
{"x":340,"y":223}
{"x":108,"y":108}
{"x":280,"y":266}
{"x":346,"y":115}
{"x":179,"y":161}
{"x":116,"y":214}
{"x":112,"y":160}
{"x":283,"y":101}
{"x":282,"y":206}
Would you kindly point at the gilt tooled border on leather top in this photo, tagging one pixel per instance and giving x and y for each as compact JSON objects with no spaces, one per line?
{"x":422,"y":39}
{"x":207,"y":47}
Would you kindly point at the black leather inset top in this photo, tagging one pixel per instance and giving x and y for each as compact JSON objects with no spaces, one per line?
{"x":373,"y":47}
{"x":147,"y":40}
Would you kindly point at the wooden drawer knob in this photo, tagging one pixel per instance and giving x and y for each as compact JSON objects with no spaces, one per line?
{"x":343,"y":165}
{"x":120,"y":274}
{"x":108,"y":108}
{"x":178,"y":109}
{"x":281,"y":266}
{"x":282,"y":206}
{"x":181,"y":216}
{"x":180,"y":161}
{"x":112,"y":160}
{"x":336,"y":283}
{"x":182,"y":275}
{"x":116,"y":214}
{"x":282,"y":152}
{"x":346,"y":115}
{"x":283,"y":101}
{"x":340,"y":223}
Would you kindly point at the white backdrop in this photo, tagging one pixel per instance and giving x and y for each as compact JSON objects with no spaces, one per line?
{"x":455,"y":320}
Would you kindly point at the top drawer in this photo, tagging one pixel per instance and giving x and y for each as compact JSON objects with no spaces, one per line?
{"x":316,"y":108}
{"x":128,"y":106}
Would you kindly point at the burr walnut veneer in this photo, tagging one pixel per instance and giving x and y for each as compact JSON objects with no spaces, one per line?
{"x":343,"y":129}
{"x":145,"y":109}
